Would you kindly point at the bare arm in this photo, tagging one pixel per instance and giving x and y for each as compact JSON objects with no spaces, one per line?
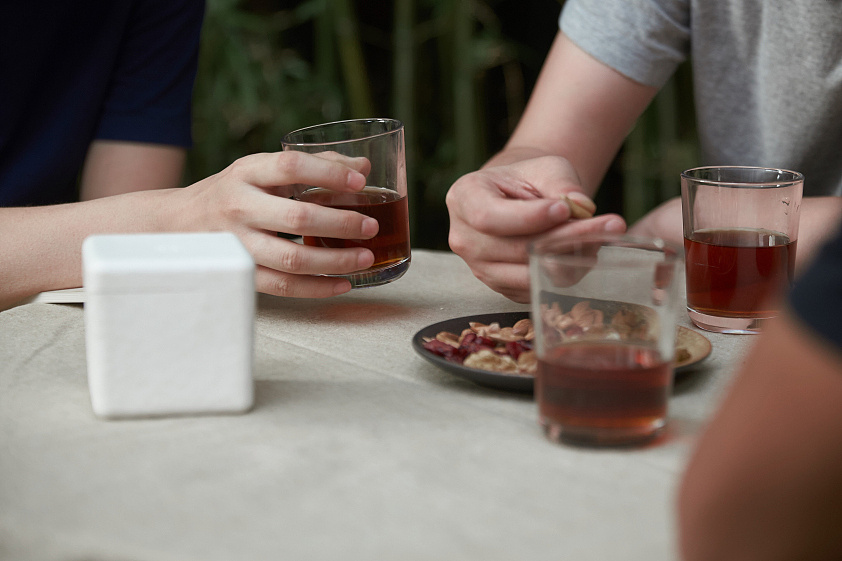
{"x":581,"y":110}
{"x":574,"y":123}
{"x":113,"y":168}
{"x":765,"y":481}
{"x":40,"y":247}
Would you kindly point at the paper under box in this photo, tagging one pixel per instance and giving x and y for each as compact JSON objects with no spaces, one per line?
{"x":169,"y":323}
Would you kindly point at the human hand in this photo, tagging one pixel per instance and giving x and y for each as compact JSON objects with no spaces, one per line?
{"x":497,"y":211}
{"x":249,"y":199}
{"x":664,"y":221}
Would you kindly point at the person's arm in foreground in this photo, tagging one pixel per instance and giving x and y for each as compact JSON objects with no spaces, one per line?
{"x":578,"y":116}
{"x":40,"y":247}
{"x":118,"y":167}
{"x":765,"y":481}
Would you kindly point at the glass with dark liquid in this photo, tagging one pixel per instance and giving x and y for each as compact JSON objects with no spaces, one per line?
{"x":391,"y":244}
{"x":604,"y":310}
{"x":603,"y":392}
{"x":740,"y":237}
{"x":381,"y":141}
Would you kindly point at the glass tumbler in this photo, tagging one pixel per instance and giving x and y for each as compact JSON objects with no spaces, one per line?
{"x":604,"y":309}
{"x":740,"y":236}
{"x":384,"y":197}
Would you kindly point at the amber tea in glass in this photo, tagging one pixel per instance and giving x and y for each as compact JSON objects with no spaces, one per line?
{"x":604,"y":311}
{"x":384,"y":198}
{"x":740,"y":238}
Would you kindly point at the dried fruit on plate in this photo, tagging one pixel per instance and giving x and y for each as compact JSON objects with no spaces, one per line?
{"x":509,"y":350}
{"x":489,"y":347}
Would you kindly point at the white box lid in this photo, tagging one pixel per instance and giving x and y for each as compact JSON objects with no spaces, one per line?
{"x":196,"y":262}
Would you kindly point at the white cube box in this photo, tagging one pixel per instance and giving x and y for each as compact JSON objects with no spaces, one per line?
{"x":169,"y":324}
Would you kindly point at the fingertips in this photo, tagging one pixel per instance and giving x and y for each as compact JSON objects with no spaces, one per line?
{"x":365,"y":259}
{"x":369,"y":228}
{"x":507,"y":217}
{"x":559,"y":211}
{"x":277,"y":283}
{"x":355,"y":181}
{"x":267,"y":171}
{"x":614,"y":225}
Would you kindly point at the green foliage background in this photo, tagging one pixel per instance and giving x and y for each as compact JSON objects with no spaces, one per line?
{"x":456,"y":72}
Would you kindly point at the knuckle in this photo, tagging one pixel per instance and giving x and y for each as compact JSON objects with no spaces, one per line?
{"x":232,"y":208}
{"x":486,"y":278}
{"x":236,"y":169}
{"x":281,"y":285}
{"x":289,"y":164}
{"x":350,"y":224}
{"x":482,"y":219}
{"x":457,"y":243}
{"x":292,"y":260}
{"x":297,"y":216}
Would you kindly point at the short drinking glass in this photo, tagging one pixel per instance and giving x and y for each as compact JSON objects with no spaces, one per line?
{"x":740,"y":234}
{"x":384,"y":197}
{"x":604,"y":309}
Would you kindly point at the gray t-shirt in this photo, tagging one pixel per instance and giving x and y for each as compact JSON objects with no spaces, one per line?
{"x":767,"y":73}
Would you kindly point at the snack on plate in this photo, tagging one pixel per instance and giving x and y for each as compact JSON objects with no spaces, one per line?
{"x":489,"y":347}
{"x":510,"y":350}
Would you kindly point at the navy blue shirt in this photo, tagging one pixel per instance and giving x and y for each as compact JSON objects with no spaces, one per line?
{"x":817,"y":295}
{"x":72,"y":72}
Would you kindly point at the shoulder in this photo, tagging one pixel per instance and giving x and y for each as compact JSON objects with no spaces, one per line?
{"x":642,"y":39}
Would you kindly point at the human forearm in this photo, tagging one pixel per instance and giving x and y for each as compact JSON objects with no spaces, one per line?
{"x":764,"y":481}
{"x":41,"y":246}
{"x":512,"y":154}
{"x":581,"y":110}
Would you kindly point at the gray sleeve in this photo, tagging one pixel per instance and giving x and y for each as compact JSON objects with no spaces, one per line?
{"x":643,"y":39}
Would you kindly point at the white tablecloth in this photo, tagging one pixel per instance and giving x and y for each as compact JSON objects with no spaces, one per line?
{"x":357,"y":448}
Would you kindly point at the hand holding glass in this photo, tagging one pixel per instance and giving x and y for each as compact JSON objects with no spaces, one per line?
{"x":384,"y":198}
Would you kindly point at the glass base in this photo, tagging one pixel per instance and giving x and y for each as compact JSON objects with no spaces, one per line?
{"x":721,"y":324}
{"x":377,"y":276}
{"x":602,"y":436}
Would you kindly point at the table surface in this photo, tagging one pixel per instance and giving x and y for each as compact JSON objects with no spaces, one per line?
{"x":356,"y":448}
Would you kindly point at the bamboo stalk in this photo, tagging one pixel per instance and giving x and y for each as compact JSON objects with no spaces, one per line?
{"x":403,"y":88}
{"x":325,"y":59}
{"x":351,"y":58}
{"x":464,"y":100}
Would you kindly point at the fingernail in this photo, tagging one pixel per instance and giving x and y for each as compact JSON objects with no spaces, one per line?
{"x":615,"y":226}
{"x":341,"y":287}
{"x":370,"y":227}
{"x":355,"y":178}
{"x":365,"y":259}
{"x":559,"y":211}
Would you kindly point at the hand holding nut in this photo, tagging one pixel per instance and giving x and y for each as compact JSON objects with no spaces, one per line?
{"x":580,"y":205}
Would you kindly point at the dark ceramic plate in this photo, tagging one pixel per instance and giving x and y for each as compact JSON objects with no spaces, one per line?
{"x":695,"y":343}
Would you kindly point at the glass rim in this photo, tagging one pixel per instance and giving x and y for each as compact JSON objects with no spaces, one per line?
{"x":547,"y":248}
{"x":398,"y":126}
{"x":793,"y":178}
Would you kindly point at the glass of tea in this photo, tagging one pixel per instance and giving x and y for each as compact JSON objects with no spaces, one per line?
{"x":740,"y":234}
{"x":384,"y":198}
{"x":604,"y":309}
